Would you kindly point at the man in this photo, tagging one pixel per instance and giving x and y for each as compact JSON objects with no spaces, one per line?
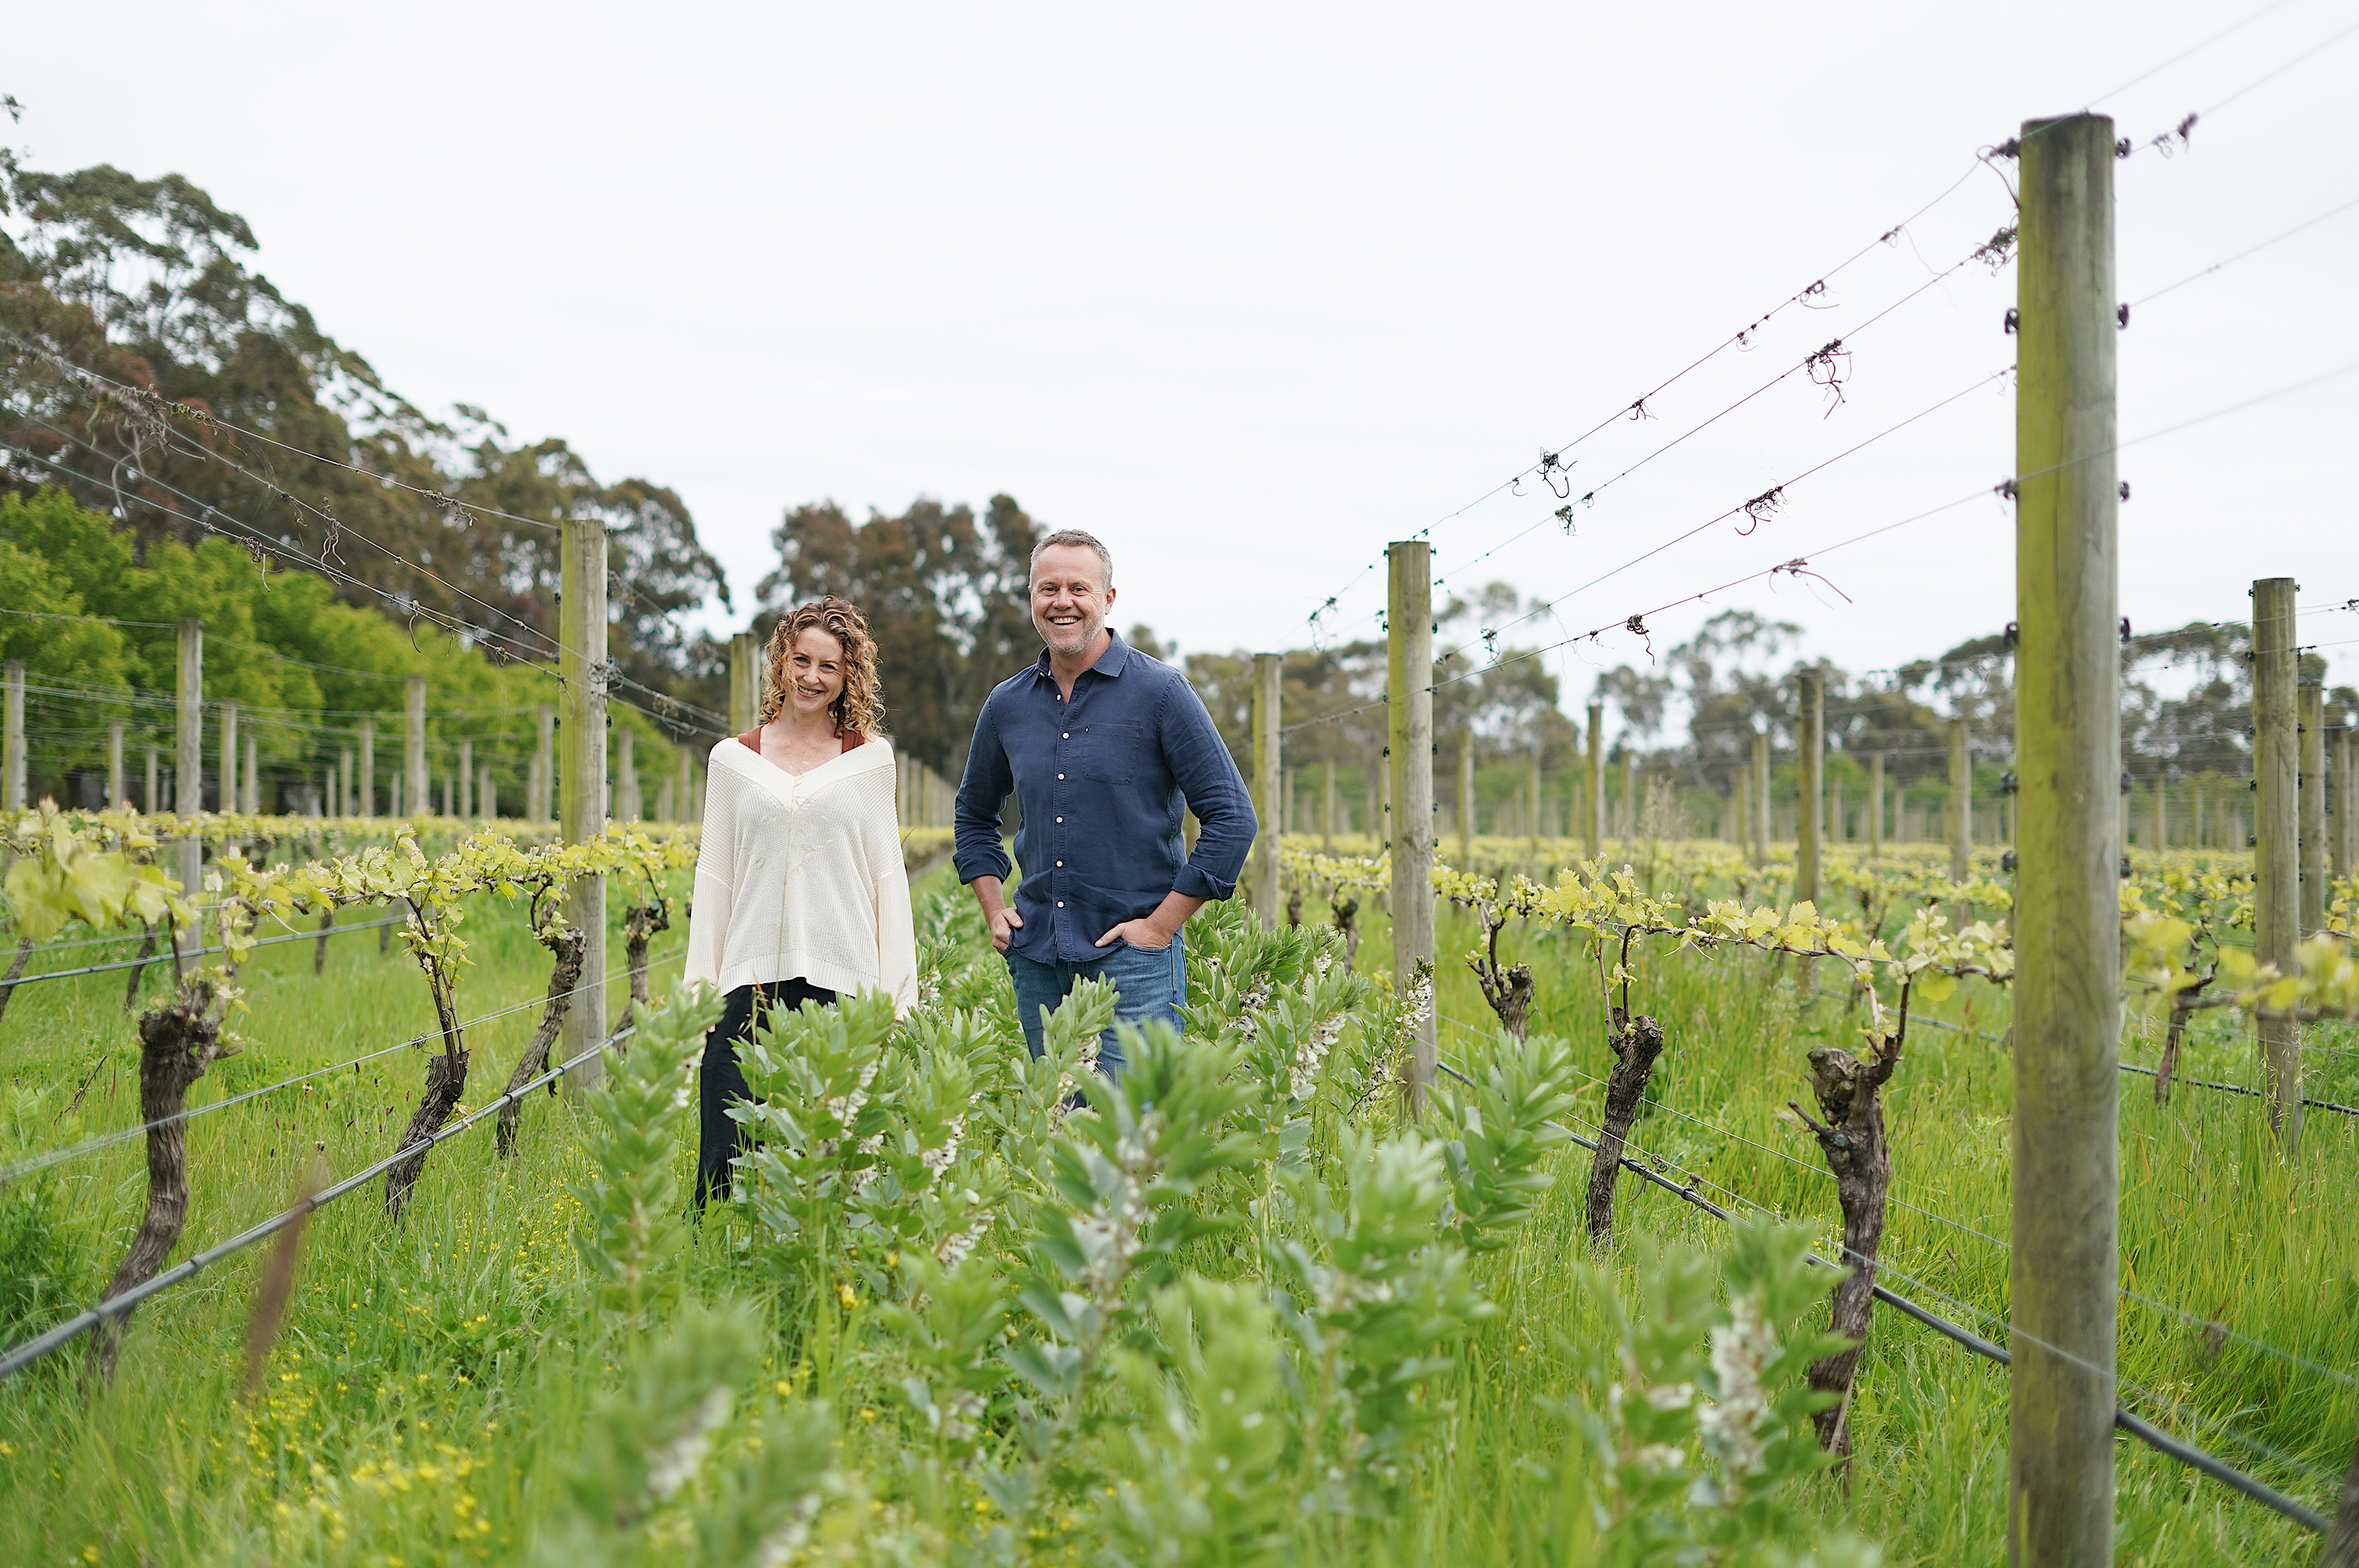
{"x":1103,"y":748}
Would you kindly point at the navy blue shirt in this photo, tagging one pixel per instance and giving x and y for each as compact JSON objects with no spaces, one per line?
{"x":1101,"y":781}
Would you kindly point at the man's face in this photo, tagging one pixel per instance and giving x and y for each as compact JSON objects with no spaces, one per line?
{"x":1071,"y":598}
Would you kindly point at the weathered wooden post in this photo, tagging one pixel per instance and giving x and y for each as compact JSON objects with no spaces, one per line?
{"x":2277,"y":849}
{"x":364,"y":803}
{"x":253,"y":775}
{"x":1268,"y":781}
{"x":1811,"y":698}
{"x":1740,"y":804}
{"x":465,"y":809}
{"x":1760,"y":798}
{"x":1536,"y":829}
{"x":581,"y":667}
{"x":1466,"y":799}
{"x":13,"y":761}
{"x":744,"y":683}
{"x":1327,"y":806}
{"x":626,"y":795}
{"x":1962,"y":802}
{"x":414,"y":786}
{"x":544,"y":762}
{"x":1409,"y":680}
{"x":1629,"y":794}
{"x":2310,"y":790}
{"x":225,"y":784}
{"x":116,"y":800}
{"x":2063,"y":1267}
{"x":1593,"y":827}
{"x":2346,"y":806}
{"x":188,"y":758}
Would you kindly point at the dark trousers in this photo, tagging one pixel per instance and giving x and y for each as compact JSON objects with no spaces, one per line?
{"x":723,"y":1081}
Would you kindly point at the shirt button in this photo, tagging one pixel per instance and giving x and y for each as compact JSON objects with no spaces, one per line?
{"x":1068,"y":735}
{"x":1060,"y":776}
{"x":1060,"y":904}
{"x":1060,"y":862}
{"x":1060,"y":819}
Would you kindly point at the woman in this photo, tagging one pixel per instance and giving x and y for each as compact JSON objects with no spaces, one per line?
{"x":800,"y":892}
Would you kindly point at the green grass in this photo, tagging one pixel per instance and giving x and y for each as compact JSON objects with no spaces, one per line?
{"x":430,"y":1378}
{"x":2212,"y":1222}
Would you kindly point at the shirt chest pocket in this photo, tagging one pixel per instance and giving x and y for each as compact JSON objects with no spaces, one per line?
{"x":1110,"y":753}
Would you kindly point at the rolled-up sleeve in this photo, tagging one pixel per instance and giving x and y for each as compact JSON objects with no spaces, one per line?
{"x":1215,"y":791}
{"x":976,"y":849}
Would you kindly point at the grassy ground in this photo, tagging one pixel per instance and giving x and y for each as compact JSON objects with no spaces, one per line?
{"x":2212,"y":1222}
{"x":430,"y":1378}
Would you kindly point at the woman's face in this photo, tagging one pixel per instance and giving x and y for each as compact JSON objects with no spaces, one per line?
{"x":814,"y":672}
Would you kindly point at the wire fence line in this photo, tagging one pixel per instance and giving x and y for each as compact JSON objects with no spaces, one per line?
{"x":32,"y":1350}
{"x":2292,"y":1357}
{"x":174,"y":954}
{"x":121,"y":1135}
{"x":2156,"y":1437}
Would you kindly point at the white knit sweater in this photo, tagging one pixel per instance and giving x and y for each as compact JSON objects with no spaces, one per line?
{"x":800,"y":876}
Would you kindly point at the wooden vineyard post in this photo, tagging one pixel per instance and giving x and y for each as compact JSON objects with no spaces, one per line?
{"x":626,"y":769}
{"x":367,"y":798}
{"x":1269,"y":780}
{"x":544,"y":780}
{"x":1962,"y":802}
{"x":2063,"y":1270}
{"x":488,"y":800}
{"x":1536,"y":796}
{"x":1408,"y":679}
{"x":149,"y":801}
{"x":1813,"y":728}
{"x":1466,"y":799}
{"x":741,"y":662}
{"x":1875,"y":803}
{"x":115,"y":783}
{"x":582,"y":666}
{"x":226,"y":789}
{"x":253,"y":777}
{"x":2346,"y":806}
{"x":2310,"y":790}
{"x":188,"y":756}
{"x":414,"y":786}
{"x":464,"y":782}
{"x":1739,"y":803}
{"x":1629,"y":796}
{"x":1593,"y":827}
{"x":1760,"y":798}
{"x":14,"y":764}
{"x":1327,"y":807}
{"x":2277,"y":854}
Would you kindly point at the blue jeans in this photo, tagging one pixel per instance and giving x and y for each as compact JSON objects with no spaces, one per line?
{"x":1151,"y":984}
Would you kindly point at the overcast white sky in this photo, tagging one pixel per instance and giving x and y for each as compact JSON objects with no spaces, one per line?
{"x":1251,"y":289}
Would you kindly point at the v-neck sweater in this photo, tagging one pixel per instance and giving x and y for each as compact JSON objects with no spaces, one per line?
{"x":799,"y":876}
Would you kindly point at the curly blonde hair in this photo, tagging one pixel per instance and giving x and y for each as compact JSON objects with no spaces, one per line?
{"x":857,"y":705}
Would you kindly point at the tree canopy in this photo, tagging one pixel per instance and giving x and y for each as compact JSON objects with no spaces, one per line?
{"x":149,"y":371}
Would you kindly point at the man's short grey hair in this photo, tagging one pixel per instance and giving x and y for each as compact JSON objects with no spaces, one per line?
{"x":1075,"y":539}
